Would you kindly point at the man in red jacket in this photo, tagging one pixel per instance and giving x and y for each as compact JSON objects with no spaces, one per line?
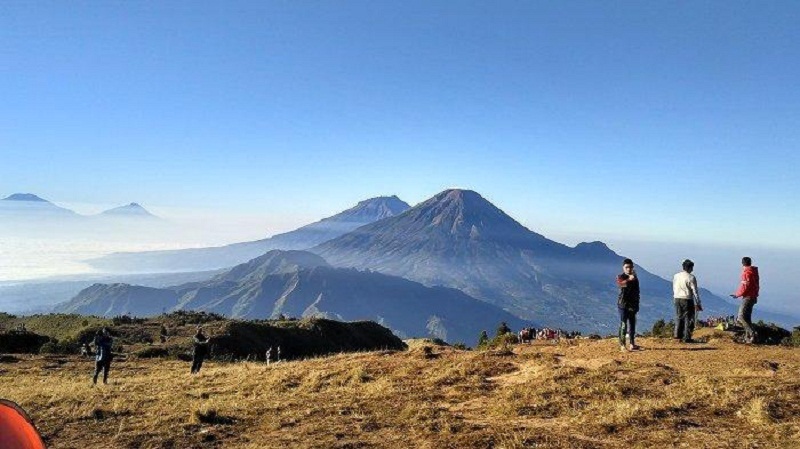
{"x":748,"y":291}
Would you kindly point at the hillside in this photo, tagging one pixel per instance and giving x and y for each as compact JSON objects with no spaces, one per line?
{"x":581,"y":395}
{"x":302,"y":284}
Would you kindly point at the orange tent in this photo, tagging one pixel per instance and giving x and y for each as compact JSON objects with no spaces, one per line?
{"x":16,"y":429}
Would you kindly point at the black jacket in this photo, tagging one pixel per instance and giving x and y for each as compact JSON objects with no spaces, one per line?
{"x":628,"y":293}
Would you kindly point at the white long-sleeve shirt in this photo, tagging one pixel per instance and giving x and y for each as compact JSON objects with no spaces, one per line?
{"x":684,"y":286}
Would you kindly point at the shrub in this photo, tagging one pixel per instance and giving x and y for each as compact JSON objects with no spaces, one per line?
{"x":663,"y":329}
{"x":59,"y":347}
{"x":152,"y":352}
{"x":21,"y":342}
{"x":793,"y":339}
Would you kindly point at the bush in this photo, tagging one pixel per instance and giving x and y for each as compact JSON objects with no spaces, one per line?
{"x":663,"y":329}
{"x":793,"y":339}
{"x":500,"y":342}
{"x":59,"y":347}
{"x":772,"y":334}
{"x":21,"y":342}
{"x":153,"y":352}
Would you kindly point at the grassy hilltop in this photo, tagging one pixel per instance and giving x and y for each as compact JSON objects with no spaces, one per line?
{"x":580,"y":395}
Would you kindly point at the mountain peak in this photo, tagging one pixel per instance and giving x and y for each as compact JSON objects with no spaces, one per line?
{"x":132,"y":209}
{"x":467,"y":214}
{"x":374,"y":209}
{"x":24,"y":197}
{"x":594,"y":250}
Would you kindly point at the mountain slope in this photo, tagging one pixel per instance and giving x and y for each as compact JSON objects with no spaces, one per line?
{"x":121,"y":299}
{"x":365,"y":212}
{"x":458,"y":239}
{"x":296,"y":283}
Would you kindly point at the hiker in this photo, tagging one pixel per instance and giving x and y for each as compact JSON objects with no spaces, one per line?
{"x":748,"y":291}
{"x":628,"y":305}
{"x":483,"y":339}
{"x":503,"y":329}
{"x":102,"y":345}
{"x":200,"y":350}
{"x":687,"y":301}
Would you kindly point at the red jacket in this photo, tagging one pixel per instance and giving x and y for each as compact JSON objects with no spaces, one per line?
{"x":749,"y":286}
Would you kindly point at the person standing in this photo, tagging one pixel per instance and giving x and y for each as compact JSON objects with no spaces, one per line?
{"x":748,"y":291}
{"x":628,"y":305}
{"x":200,"y":350}
{"x":102,"y":344}
{"x":687,"y":301}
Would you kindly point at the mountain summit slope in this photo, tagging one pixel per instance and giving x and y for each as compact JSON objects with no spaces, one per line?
{"x":197,"y":259}
{"x":459,"y":239}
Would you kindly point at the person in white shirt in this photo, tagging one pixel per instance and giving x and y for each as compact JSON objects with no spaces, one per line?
{"x":687,"y":301}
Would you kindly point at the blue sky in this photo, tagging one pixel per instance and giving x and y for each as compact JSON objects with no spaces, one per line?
{"x":668,"y":121}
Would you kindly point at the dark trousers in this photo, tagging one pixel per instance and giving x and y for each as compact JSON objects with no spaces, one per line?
{"x":745,"y":318}
{"x":104,"y":366}
{"x":197,"y":362}
{"x":684,"y":318}
{"x":627,"y":325}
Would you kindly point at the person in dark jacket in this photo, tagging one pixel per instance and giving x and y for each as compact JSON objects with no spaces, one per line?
{"x":628,"y":305}
{"x":200,"y":350}
{"x":102,"y":344}
{"x":748,"y":291}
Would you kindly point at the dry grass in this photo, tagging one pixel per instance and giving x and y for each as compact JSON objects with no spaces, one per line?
{"x":586,"y":395}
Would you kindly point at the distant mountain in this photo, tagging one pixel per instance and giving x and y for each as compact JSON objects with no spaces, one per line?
{"x":132,"y":210}
{"x":365,"y":212}
{"x":121,"y":299}
{"x":297,"y":283}
{"x":28,"y":205}
{"x":458,"y":239}
{"x":24,"y":197}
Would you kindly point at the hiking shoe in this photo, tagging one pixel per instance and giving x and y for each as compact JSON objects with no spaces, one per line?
{"x":634,"y":348}
{"x":690,"y":341}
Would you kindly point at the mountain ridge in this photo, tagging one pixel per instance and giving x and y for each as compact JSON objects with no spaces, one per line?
{"x":365,"y":212}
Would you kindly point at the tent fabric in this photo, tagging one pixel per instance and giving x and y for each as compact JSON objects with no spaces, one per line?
{"x":16,"y":429}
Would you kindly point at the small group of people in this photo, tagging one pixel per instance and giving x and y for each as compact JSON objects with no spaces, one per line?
{"x":686,"y":296}
{"x":103,"y":343}
{"x":716,"y":321}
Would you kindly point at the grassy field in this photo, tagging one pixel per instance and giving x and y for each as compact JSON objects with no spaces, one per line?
{"x":582,"y":395}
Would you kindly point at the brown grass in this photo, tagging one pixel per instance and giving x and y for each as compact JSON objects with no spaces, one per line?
{"x":584,"y":395}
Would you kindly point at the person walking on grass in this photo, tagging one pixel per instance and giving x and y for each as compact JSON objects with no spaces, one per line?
{"x":200,"y":350}
{"x":102,"y":344}
{"x":748,"y":291}
{"x":687,"y":301}
{"x":628,"y":305}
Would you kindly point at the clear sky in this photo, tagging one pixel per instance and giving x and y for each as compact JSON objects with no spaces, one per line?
{"x":668,"y":121}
